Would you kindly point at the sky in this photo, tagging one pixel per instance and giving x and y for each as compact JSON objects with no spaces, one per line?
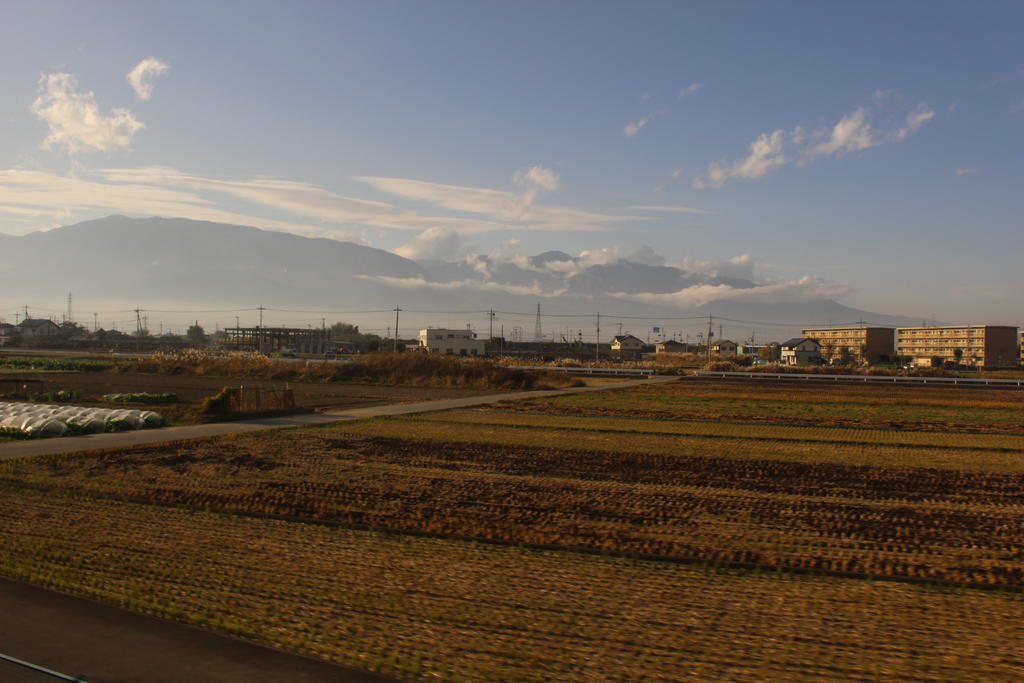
{"x":869,"y":150}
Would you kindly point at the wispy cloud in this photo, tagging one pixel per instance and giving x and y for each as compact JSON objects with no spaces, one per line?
{"x":633,"y":127}
{"x":915,"y":119}
{"x":765,"y":154}
{"x":853,"y":132}
{"x":689,"y":90}
{"x":675,"y":175}
{"x":75,"y":120}
{"x":966,"y":171}
{"x":804,"y":289}
{"x":436,"y":243}
{"x":669,"y":209}
{"x":505,"y":209}
{"x":141,"y":77}
{"x":49,"y":200}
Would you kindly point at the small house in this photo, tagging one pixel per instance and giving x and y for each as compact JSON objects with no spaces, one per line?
{"x":670,"y":346}
{"x":38,"y":328}
{"x":800,"y":351}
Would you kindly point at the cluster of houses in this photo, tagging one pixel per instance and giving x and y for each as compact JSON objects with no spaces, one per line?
{"x":29,"y":329}
{"x":981,"y":346}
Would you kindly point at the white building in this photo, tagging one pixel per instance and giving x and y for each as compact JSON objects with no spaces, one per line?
{"x":451,"y":342}
{"x":627,"y":343}
{"x":801,"y":351}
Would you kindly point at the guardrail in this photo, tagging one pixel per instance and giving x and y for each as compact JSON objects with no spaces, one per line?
{"x":44,"y":673}
{"x":871,"y":379}
{"x":584,"y":371}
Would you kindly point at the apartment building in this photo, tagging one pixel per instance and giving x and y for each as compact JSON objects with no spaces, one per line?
{"x":983,"y":346}
{"x":858,"y":344}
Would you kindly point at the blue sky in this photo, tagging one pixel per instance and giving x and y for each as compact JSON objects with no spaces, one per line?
{"x":868,"y":151}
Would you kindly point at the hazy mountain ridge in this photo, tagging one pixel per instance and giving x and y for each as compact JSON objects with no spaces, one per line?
{"x":197,"y":263}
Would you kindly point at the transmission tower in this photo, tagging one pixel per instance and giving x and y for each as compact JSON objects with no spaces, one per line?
{"x":538,"y":334}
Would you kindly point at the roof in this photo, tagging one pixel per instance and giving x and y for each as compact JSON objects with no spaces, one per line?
{"x":625,"y":337}
{"x":36,"y":322}
{"x":796,"y":341}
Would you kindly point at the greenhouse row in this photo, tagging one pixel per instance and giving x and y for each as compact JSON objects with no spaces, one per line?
{"x":34,"y":420}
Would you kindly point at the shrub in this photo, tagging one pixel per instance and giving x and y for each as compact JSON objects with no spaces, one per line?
{"x":58,"y":396}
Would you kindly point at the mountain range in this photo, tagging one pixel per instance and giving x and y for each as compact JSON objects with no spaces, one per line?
{"x":182,"y":264}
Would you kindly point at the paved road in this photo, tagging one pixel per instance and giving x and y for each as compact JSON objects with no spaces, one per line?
{"x":112,"y":645}
{"x":89,"y":442}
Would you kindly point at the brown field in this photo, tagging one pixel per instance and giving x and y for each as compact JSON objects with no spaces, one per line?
{"x":547,"y":539}
{"x":930,"y":408}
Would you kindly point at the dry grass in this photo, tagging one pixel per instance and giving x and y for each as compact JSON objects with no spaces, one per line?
{"x":408,"y":369}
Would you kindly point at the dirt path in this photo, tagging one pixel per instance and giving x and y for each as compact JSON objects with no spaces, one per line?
{"x":112,"y":645}
{"x":89,"y":442}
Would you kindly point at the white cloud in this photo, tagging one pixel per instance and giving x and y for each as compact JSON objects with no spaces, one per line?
{"x":915,"y":119}
{"x":476,"y":285}
{"x":805,"y":289}
{"x":505,"y":209}
{"x":534,"y":180}
{"x":689,"y":90}
{"x":50,"y":201}
{"x":141,"y":77}
{"x":966,"y":171}
{"x":75,"y":120}
{"x":443,"y":244}
{"x":736,"y":267}
{"x":537,"y":176}
{"x":765,"y":154}
{"x":669,"y":209}
{"x":634,"y":127}
{"x":646,"y":256}
{"x":852,"y":133}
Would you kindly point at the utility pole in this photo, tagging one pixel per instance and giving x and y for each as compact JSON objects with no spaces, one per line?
{"x":710,"y":333}
{"x":490,"y":316}
{"x":70,"y":319}
{"x":95,"y":322}
{"x":597,"y":342}
{"x":397,"y":311}
{"x":259,"y":331}
{"x":538,"y":333}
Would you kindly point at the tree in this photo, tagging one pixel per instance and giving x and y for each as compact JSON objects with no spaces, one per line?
{"x":196,"y":335}
{"x":769,"y":352}
{"x":344,"y":331}
{"x":959,"y":355}
{"x":845,"y":356}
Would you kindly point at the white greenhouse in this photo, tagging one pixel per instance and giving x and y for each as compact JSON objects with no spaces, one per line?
{"x":44,"y":421}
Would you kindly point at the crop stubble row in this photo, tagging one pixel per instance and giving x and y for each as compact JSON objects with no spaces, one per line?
{"x":935,"y":525}
{"x":417,"y":606}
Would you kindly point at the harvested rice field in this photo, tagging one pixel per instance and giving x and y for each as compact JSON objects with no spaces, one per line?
{"x":623,"y":534}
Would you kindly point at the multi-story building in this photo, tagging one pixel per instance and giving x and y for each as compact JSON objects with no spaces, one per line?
{"x":983,"y":346}
{"x":451,"y":342}
{"x":858,"y":344}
